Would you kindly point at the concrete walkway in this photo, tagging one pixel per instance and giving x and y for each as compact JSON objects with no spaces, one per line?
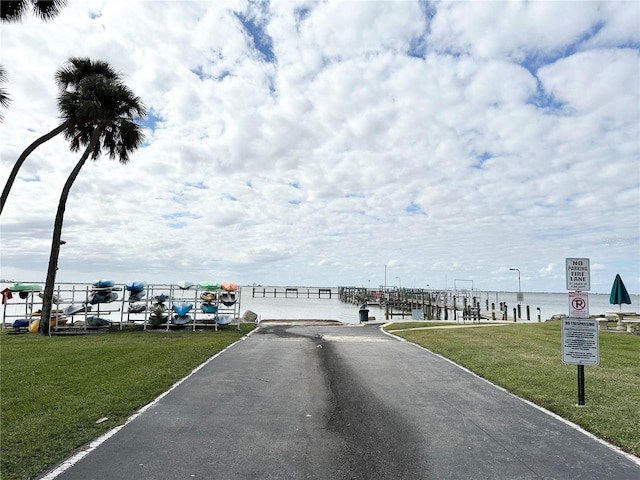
{"x":343,"y":402}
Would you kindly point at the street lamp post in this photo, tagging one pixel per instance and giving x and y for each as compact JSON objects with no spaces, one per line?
{"x":385,"y":277}
{"x":520,"y":296}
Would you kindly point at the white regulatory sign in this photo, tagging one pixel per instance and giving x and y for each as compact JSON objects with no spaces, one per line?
{"x":580,"y":341}
{"x":578,"y":274}
{"x":579,"y":304}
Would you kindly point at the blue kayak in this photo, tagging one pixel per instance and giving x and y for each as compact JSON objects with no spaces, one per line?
{"x":223,"y":319}
{"x":181,"y":319}
{"x":181,"y":308}
{"x":135,"y":286}
{"x":209,"y":308}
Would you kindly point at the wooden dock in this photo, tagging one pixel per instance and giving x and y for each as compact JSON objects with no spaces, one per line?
{"x":434,"y":305}
{"x":291,"y":292}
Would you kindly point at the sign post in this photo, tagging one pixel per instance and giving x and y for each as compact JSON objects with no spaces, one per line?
{"x":578,"y":275}
{"x":580,"y":346}
{"x":580,"y":342}
{"x":579,"y":304}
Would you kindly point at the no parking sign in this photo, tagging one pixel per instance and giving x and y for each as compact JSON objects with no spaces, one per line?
{"x":579,"y":304}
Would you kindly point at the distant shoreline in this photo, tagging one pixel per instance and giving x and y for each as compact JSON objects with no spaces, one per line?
{"x":7,"y":283}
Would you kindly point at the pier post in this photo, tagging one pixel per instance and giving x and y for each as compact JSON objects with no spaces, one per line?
{"x":528,"y":313}
{"x":514,"y":314}
{"x":454,"y":309}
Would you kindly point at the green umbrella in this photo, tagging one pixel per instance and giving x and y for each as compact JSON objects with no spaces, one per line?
{"x":619,"y":294}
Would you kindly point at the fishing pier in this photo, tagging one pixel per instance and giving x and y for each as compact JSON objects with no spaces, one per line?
{"x":419,"y":304}
{"x":291,"y":292}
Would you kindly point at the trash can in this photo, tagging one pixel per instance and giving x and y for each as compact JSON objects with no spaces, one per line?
{"x":364,"y":315}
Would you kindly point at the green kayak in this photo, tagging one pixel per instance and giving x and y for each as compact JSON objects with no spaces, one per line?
{"x":25,"y":287}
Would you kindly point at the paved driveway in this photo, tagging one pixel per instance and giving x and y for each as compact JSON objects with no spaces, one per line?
{"x":344,"y":402}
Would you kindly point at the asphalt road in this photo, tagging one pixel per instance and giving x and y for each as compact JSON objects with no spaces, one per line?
{"x":344,"y":402}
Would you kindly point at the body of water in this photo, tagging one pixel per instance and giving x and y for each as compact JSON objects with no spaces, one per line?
{"x":332,"y":308}
{"x":314,"y":308}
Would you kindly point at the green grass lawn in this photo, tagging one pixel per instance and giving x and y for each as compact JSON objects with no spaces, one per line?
{"x":526,"y":360}
{"x":55,"y":389}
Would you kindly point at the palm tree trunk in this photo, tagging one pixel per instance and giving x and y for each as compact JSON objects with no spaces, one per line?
{"x":23,"y":157}
{"x":47,"y":301}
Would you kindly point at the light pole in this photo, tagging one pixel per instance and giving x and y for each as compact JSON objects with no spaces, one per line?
{"x":385,"y":277}
{"x":399,"y":283}
{"x":520,"y":296}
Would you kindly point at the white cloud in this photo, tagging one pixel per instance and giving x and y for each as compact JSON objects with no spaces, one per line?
{"x":484,"y":137}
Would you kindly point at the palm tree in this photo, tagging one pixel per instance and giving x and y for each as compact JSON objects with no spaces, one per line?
{"x":104,"y":111}
{"x":69,"y":78}
{"x":15,"y":11}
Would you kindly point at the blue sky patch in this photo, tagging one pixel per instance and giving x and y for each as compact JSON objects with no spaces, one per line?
{"x":198,"y":185}
{"x":151,"y":120}
{"x":534,"y":61}
{"x":177,"y":225}
{"x":174,"y":220}
{"x":202,"y":75}
{"x":415,"y":209}
{"x":300,"y":15}
{"x":177,"y":215}
{"x":482,"y":158}
{"x":418,"y":45}
{"x":544,"y":100}
{"x":257,"y":32}
{"x":30,"y":179}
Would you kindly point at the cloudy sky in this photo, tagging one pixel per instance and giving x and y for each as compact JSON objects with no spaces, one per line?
{"x":328,"y":142}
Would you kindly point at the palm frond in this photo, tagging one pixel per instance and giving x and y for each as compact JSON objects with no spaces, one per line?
{"x":46,"y":10}
{"x":15,"y":11}
{"x":4,"y":95}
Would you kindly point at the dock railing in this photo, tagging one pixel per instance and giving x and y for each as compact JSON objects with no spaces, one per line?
{"x":465,"y":305}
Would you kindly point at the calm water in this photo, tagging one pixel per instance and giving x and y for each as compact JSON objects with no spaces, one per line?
{"x":332,"y":309}
{"x":292,"y":308}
